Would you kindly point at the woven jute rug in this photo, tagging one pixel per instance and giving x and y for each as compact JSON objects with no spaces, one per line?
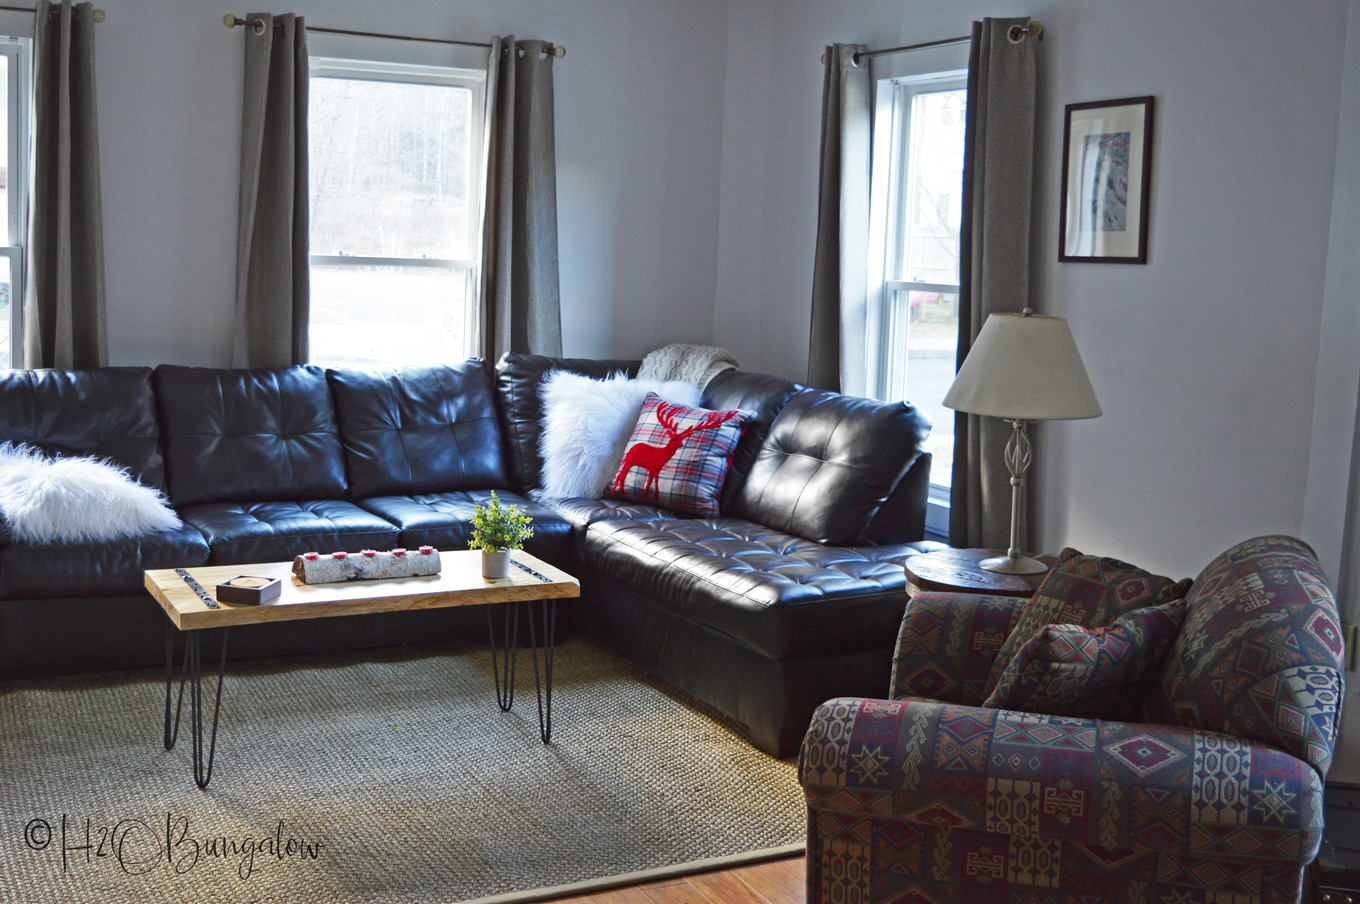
{"x":382,"y":776}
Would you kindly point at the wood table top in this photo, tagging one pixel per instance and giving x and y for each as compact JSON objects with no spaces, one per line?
{"x":957,"y":571}
{"x":459,"y":583}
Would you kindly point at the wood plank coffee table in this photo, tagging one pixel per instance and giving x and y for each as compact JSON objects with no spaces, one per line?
{"x":460,"y":583}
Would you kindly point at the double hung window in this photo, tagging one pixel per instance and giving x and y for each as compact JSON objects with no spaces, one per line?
{"x":917,"y":215}
{"x":15,"y":88}
{"x":395,"y":182}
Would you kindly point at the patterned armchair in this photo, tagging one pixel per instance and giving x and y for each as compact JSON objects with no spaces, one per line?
{"x":927,"y":797}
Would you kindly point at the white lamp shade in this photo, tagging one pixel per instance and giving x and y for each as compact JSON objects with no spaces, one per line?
{"x":1024,"y":368}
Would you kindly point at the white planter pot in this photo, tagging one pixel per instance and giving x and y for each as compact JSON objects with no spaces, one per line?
{"x":495,"y":564}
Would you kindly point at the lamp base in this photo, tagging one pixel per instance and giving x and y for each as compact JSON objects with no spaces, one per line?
{"x":1017,"y":565}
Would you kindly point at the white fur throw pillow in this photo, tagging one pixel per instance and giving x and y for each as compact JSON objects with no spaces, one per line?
{"x":586,"y":425}
{"x":71,"y":500}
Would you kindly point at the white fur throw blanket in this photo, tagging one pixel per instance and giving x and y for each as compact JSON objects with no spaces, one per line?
{"x":695,"y":364}
{"x":72,"y":500}
{"x":586,"y":425}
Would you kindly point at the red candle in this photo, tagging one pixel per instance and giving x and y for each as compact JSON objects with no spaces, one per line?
{"x":338,"y":555}
{"x":426,"y":550}
{"x":398,"y":551}
{"x":310,"y":556}
{"x":370,"y":552}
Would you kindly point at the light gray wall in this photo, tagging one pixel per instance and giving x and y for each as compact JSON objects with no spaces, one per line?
{"x":1204,"y":359}
{"x":638,"y":143}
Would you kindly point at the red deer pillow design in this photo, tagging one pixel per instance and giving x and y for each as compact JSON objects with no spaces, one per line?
{"x":678,"y":456}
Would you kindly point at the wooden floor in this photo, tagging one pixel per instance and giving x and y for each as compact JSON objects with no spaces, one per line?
{"x":771,"y":882}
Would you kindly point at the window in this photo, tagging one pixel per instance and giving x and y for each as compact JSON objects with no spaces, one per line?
{"x":395,"y":186}
{"x":914,"y":283}
{"x":14,"y":88}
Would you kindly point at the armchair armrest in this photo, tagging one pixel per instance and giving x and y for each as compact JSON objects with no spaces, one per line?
{"x":947,"y":644}
{"x":1110,"y":785}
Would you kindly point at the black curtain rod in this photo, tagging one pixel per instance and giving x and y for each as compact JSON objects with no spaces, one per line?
{"x":98,"y":13}
{"x":231,"y":21}
{"x":1017,"y":33}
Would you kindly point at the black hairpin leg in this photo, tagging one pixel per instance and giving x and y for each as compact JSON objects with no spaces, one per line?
{"x":505,"y":677}
{"x":544,"y":689}
{"x":192,"y":670}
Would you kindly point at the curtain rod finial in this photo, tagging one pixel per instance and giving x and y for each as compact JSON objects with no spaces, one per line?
{"x":98,"y":16}
{"x":559,"y":51}
{"x":229,"y":20}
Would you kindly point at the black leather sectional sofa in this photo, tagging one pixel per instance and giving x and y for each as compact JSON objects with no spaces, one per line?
{"x":792,"y":596}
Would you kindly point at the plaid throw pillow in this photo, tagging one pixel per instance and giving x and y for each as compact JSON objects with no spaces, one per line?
{"x":1092,"y":673}
{"x":678,"y":456}
{"x":1089,"y":591}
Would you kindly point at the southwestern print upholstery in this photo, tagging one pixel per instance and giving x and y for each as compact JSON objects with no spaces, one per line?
{"x":678,"y":456}
{"x":1068,"y":670}
{"x":919,"y":800}
{"x":947,"y":644}
{"x":1091,"y":591}
{"x":1260,"y":654}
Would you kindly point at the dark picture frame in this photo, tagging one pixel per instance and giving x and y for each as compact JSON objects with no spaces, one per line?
{"x":1106,"y":181}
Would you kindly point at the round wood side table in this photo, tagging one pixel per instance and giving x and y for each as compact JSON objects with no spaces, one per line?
{"x":957,"y":571}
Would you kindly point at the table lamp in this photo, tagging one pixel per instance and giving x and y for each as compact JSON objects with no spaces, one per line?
{"x":1022,"y":367}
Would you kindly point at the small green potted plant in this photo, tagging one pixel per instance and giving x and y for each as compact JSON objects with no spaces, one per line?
{"x":497,"y":529}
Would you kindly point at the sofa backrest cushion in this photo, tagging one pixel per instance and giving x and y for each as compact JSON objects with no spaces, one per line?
{"x":760,"y":395}
{"x":109,"y":412}
{"x":828,"y":465}
{"x":1260,"y":653}
{"x":518,"y":379}
{"x":419,"y":429}
{"x":249,"y":435}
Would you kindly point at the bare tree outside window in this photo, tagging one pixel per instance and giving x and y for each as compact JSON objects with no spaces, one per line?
{"x":394,"y":186}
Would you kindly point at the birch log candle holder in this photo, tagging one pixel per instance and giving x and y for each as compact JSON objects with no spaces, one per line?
{"x":365,"y":565}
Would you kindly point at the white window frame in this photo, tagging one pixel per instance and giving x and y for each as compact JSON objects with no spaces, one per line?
{"x":411,"y":73}
{"x":889,"y":298}
{"x":18,"y":54}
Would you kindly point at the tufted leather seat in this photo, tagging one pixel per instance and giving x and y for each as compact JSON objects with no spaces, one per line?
{"x":781,"y":594}
{"x":245,"y":532}
{"x":444,"y":520}
{"x":108,"y":568}
{"x":581,"y":512}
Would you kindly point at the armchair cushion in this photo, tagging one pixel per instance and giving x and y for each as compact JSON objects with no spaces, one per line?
{"x":1114,"y":787}
{"x":1260,"y":652}
{"x":1068,"y":670}
{"x":947,"y":643}
{"x":1090,"y":591}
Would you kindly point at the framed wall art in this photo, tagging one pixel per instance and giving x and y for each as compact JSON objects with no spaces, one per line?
{"x":1107,"y":168}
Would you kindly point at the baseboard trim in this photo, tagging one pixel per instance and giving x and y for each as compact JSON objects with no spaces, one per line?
{"x":646,"y":875}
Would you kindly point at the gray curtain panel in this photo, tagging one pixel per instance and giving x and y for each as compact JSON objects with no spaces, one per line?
{"x":272,"y":286}
{"x":519,"y":307}
{"x":998,"y":162}
{"x":836,"y":356}
{"x":64,"y":319}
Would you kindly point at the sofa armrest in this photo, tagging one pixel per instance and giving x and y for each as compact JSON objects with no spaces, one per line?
{"x":947,"y":644}
{"x":1110,"y":785}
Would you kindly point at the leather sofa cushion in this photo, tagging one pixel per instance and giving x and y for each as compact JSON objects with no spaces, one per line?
{"x":518,"y":378}
{"x":581,"y":511}
{"x":103,"y":568}
{"x":829,"y":464}
{"x":419,"y":429}
{"x":761,"y":396}
{"x":109,"y":413}
{"x":783,"y":595}
{"x":444,"y":521}
{"x":244,"y":533}
{"x":249,"y":435}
